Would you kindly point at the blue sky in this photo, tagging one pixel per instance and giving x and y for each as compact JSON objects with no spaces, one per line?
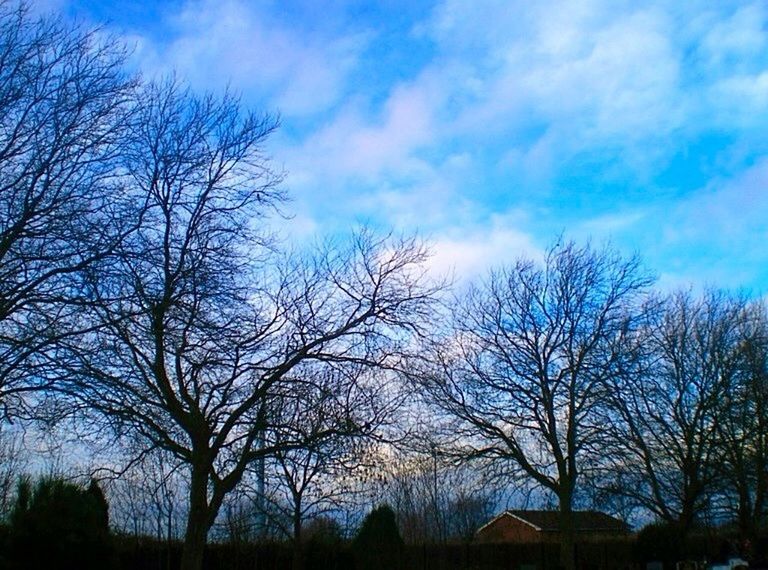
{"x":493,"y":126}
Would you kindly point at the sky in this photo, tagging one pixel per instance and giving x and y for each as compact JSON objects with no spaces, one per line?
{"x":491,"y":127}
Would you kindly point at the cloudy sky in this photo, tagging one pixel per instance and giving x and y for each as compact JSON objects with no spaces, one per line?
{"x":492,"y":126}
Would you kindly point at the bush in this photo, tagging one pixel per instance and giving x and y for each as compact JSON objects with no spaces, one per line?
{"x":378,"y":544}
{"x":62,"y":522}
{"x":323,"y":531}
{"x":4,"y":534}
{"x":660,"y":541}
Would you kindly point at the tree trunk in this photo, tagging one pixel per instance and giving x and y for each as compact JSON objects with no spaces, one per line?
{"x":687,"y":516}
{"x":757,"y":504}
{"x":198,"y":519}
{"x":298,"y":550}
{"x":567,"y":532}
{"x":745,"y":514}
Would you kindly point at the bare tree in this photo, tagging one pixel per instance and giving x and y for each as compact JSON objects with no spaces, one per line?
{"x":242,"y":519}
{"x":521,"y":376}
{"x":13,"y":466}
{"x":471,"y":507}
{"x":436,"y":500}
{"x":129,"y":503}
{"x":337,"y":412}
{"x":743,"y":425}
{"x":198,"y":324}
{"x":147,"y":498}
{"x":64,"y":105}
{"x":670,"y":406}
{"x":409,"y":489}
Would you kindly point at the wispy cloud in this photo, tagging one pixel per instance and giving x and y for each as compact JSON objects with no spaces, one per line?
{"x":728,"y":216}
{"x":640,"y":122}
{"x":232,"y":42}
{"x":359,"y":145}
{"x":471,"y":251}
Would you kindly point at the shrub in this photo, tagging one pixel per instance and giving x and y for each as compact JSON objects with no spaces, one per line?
{"x":660,"y":541}
{"x":378,"y":544}
{"x":62,"y":522}
{"x":323,"y":531}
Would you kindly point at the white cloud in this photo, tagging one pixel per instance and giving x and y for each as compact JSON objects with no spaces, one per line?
{"x":540,"y":82}
{"x":595,"y":76}
{"x":734,"y":40}
{"x":741,"y":100}
{"x":730,"y":212}
{"x":470,"y":253}
{"x":216,"y":43}
{"x":628,"y":82}
{"x":297,"y":229}
{"x":608,"y":225}
{"x":511,"y":96}
{"x":355,"y":145}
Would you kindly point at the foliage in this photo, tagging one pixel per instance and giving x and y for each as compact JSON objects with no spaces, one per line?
{"x":660,"y":541}
{"x":378,"y":543}
{"x":59,"y":521}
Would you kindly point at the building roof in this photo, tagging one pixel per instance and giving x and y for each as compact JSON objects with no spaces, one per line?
{"x":549,"y":521}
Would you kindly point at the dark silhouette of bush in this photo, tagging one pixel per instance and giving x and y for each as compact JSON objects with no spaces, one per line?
{"x":4,"y":534}
{"x":323,"y":531}
{"x":94,"y":490}
{"x":378,"y":544}
{"x":324,"y":546}
{"x":59,"y":525}
{"x":660,"y":541}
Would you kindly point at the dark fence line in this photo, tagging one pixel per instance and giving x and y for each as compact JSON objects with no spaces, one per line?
{"x":141,"y":553}
{"x":151,"y":555}
{"x":128,"y":552}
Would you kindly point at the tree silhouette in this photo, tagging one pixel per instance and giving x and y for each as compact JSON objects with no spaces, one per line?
{"x":520,"y":377}
{"x":378,"y":543}
{"x":672,"y":404}
{"x":198,"y":324}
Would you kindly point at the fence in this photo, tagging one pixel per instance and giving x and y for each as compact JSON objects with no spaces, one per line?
{"x":151,"y":555}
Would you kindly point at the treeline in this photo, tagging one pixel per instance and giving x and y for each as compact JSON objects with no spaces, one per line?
{"x":61,"y":521}
{"x":575,"y":374}
{"x":245,"y":389}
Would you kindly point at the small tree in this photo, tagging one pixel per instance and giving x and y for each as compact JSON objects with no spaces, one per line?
{"x":13,"y":462}
{"x":378,"y":543}
{"x":435,"y":499}
{"x":338,"y":412}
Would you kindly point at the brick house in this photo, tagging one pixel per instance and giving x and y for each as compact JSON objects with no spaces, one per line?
{"x":526,"y":527}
